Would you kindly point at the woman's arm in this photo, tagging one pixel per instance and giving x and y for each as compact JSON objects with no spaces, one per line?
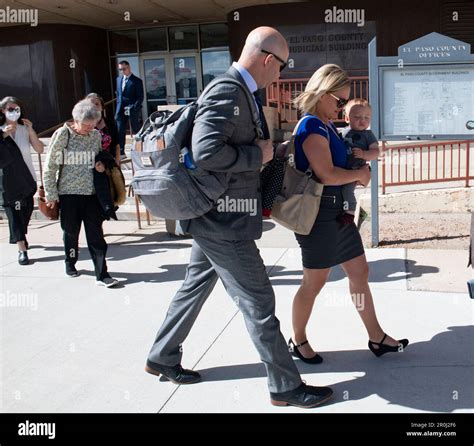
{"x":34,"y":140}
{"x":54,"y":159}
{"x":316,"y":149}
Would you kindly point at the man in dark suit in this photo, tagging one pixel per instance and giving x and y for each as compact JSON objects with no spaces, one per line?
{"x":129,"y":102}
{"x":231,"y":139}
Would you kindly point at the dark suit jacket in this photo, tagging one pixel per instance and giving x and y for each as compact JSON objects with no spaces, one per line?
{"x":131,"y":95}
{"x":16,"y":181}
{"x":223,"y":141}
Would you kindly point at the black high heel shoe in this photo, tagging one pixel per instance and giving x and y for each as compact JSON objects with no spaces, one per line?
{"x":384,"y":348}
{"x":316,"y":359}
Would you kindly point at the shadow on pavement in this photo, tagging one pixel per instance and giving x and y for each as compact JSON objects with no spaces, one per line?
{"x":384,"y":270}
{"x":434,"y":375}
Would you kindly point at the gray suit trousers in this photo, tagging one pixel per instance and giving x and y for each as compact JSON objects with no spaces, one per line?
{"x":239,"y":265}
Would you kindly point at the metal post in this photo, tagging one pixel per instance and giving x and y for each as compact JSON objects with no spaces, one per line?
{"x":375,"y":126}
{"x":374,"y":192}
{"x":467,"y":162}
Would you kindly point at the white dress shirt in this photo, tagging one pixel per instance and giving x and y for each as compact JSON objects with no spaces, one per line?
{"x":249,"y":80}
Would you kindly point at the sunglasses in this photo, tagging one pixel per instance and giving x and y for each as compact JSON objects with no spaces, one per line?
{"x":14,"y":109}
{"x":283,"y":63}
{"x":341,"y":102}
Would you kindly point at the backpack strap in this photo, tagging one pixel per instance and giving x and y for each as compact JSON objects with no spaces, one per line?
{"x":248,"y":95}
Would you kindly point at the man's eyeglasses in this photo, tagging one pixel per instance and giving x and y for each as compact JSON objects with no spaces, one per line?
{"x":283,"y":63}
{"x":14,"y":109}
{"x":341,"y":102}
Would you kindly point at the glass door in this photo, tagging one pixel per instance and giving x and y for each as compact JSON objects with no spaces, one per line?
{"x":156,"y":83}
{"x":187,"y":81}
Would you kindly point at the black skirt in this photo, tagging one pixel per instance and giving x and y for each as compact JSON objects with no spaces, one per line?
{"x":329,"y":243}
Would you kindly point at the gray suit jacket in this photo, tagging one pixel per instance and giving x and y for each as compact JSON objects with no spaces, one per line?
{"x":223,"y":142}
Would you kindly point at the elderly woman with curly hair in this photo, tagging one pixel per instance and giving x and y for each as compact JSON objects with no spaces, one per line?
{"x":69,"y":181}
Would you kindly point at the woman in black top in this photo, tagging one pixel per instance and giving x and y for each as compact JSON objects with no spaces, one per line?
{"x":17,"y":171}
{"x":107,"y":128}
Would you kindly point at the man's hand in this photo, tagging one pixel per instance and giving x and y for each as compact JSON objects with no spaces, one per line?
{"x":267,"y":149}
{"x":281,"y":149}
{"x":99,"y":166}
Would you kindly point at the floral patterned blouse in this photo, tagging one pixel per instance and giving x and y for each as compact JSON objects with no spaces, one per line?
{"x":72,"y":155}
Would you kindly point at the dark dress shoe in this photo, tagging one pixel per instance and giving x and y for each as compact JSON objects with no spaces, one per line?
{"x":175,"y":374}
{"x":384,"y":348}
{"x":303,"y":396}
{"x":23,"y":258}
{"x":71,"y":271}
{"x":316,"y":359}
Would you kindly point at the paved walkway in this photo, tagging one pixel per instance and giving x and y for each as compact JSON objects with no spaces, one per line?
{"x":67,"y":345}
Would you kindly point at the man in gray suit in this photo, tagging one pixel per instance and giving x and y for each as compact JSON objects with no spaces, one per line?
{"x":227,"y":142}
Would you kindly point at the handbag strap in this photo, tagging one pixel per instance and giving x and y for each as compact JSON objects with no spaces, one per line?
{"x":62,"y":160}
{"x":64,"y":153}
{"x":292,"y":148}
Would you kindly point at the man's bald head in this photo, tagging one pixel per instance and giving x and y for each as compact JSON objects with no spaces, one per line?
{"x":264,"y":67}
{"x":264,"y":38}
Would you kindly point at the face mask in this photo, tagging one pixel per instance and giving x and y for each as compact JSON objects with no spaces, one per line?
{"x":13,"y":115}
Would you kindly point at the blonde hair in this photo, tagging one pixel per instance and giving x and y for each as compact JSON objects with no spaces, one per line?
{"x":326,"y":79}
{"x":357,"y":101}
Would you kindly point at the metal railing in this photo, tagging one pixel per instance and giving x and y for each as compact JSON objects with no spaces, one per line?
{"x":281,"y":94}
{"x":426,"y":162}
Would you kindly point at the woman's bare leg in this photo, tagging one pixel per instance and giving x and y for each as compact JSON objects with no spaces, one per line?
{"x":312,"y":283}
{"x":357,"y":272}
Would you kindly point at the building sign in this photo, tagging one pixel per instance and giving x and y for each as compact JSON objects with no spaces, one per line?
{"x":428,"y":100}
{"x":426,"y":92}
{"x":434,"y":47}
{"x":311,"y":46}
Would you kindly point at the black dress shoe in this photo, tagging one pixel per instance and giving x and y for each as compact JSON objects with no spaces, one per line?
{"x":384,"y":348}
{"x":71,"y":270}
{"x":303,"y":396}
{"x":175,"y":374}
{"x":23,"y":258}
{"x":316,"y":359}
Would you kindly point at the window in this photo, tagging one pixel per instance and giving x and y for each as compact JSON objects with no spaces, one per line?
{"x":183,"y":38}
{"x":214,"y":63}
{"x":123,"y":42}
{"x":153,"y":39}
{"x":214,"y":36}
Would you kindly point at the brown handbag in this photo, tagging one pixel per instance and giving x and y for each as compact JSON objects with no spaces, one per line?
{"x":50,"y":214}
{"x":297,"y":205}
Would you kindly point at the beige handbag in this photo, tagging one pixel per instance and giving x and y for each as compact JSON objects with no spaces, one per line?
{"x":296,"y":206}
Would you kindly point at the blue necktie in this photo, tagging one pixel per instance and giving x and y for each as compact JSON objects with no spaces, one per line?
{"x":263,"y":121}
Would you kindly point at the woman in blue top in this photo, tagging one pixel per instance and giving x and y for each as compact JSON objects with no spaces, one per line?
{"x":332,"y":241}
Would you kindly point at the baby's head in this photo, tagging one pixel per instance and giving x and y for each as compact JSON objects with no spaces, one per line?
{"x":358,"y":114}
